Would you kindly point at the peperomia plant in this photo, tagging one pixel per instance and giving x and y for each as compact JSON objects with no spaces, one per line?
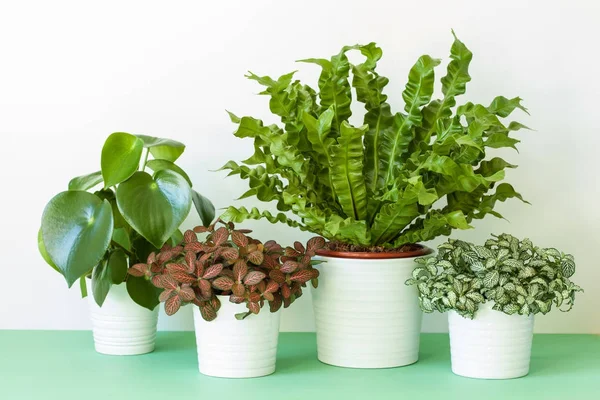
{"x":378,"y":184}
{"x":229,"y":263}
{"x":516,"y":276}
{"x":99,"y":232}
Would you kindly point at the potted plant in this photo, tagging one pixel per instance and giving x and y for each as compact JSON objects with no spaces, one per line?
{"x":113,"y":218}
{"x":230,"y":277}
{"x":492,"y":293}
{"x":376,"y":190}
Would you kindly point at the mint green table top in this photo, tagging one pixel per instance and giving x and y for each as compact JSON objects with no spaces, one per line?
{"x":63,"y":365}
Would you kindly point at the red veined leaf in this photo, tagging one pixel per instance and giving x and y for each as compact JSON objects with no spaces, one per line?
{"x":199,"y":268}
{"x":213,"y":271}
{"x":138,"y":270}
{"x":268,"y":262}
{"x":240,"y":269}
{"x":286,"y":258}
{"x":253,"y":307}
{"x":256,"y":257}
{"x":220,"y":236}
{"x":268,"y":296}
{"x":156,"y":268}
{"x":237,"y":299}
{"x":208,"y":313}
{"x":272,"y":287}
{"x":289,"y":266}
{"x":223,"y":283}
{"x":168,"y":282}
{"x":204,"y":258}
{"x":245,"y":231}
{"x":275,"y":304}
{"x":172,"y":305}
{"x":183,"y":277}
{"x":174,"y":267}
{"x":151,"y":258}
{"x":287,"y":302}
{"x":239,"y":239}
{"x":156,"y":281}
{"x":254,"y":297}
{"x":215,"y":303}
{"x":164,"y":295}
{"x":227,"y":272}
{"x":176,"y":250}
{"x":196,"y":247}
{"x":315,"y":243}
{"x":164,"y":256}
{"x":253,"y":277}
{"x":299,"y":247}
{"x":190,"y":261}
{"x":238,"y":289}
{"x":277,"y":276}
{"x":286,"y":291}
{"x":165,"y":247}
{"x":205,"y":288}
{"x":273,"y":247}
{"x":304,"y":275}
{"x":200,"y":229}
{"x":290,"y":252}
{"x":230,"y":253}
{"x":187,"y":293}
{"x":189,"y":236}
{"x":305,"y":260}
{"x":261,"y":286}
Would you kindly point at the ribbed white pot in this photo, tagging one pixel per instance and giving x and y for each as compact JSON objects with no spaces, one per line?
{"x":494,"y":345}
{"x":121,"y":327}
{"x":230,"y":348}
{"x":366,"y":317}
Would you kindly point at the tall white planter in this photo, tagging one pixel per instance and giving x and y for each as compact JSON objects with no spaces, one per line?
{"x":366,"y":317}
{"x":230,"y":348}
{"x":121,"y":327}
{"x":494,"y":345}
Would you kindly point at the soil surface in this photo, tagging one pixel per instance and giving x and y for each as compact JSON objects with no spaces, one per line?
{"x":338,"y":246}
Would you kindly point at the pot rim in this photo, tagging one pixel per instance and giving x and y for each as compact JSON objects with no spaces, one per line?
{"x":364,"y":255}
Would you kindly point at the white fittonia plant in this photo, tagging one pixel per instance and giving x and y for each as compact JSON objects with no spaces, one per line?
{"x":516,"y":276}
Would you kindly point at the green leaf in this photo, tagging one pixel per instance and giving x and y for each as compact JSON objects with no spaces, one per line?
{"x":44,"y":253}
{"x":121,"y":155}
{"x":503,"y":107}
{"x":204,"y":207}
{"x":177,"y":238}
{"x":567,"y":266}
{"x":86,"y":182}
{"x":121,"y":237}
{"x":76,"y":229}
{"x":347,"y":175}
{"x":510,"y":309}
{"x":101,"y":282}
{"x":83,"y":287}
{"x":117,"y":266}
{"x":155,"y":206}
{"x":163,"y":149}
{"x":143,"y":292}
{"x":159,"y":165}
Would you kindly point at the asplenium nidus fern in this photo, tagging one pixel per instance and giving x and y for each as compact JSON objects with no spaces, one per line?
{"x":516,"y":276}
{"x":401,"y":177}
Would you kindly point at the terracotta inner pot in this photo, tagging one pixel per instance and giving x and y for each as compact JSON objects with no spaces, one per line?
{"x":423,"y":251}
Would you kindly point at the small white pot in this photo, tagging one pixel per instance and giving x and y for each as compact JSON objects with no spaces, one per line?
{"x":121,"y":327}
{"x":230,"y":348}
{"x":366,"y":317}
{"x":494,"y":345}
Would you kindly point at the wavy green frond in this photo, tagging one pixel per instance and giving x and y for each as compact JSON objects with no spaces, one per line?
{"x":241,"y":214}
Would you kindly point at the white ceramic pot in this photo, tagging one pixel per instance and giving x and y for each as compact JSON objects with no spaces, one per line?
{"x":121,"y":327}
{"x":494,"y":345}
{"x":230,"y":348}
{"x":366,"y":317}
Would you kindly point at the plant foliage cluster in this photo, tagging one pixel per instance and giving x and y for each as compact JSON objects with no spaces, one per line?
{"x":516,"y":276}
{"x":229,"y":263}
{"x":379,"y":183}
{"x":100,"y":232}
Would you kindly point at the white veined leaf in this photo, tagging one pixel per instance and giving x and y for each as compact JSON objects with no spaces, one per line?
{"x":510,"y":309}
{"x":424,"y":289}
{"x":503,"y":300}
{"x":477,"y":283}
{"x":452,"y":297}
{"x":410,"y":282}
{"x":543,"y":306}
{"x":458,"y":286}
{"x":444,"y":264}
{"x":426,"y":304}
{"x":521,"y":290}
{"x":527,"y":272}
{"x":503,"y":243}
{"x":511,"y":262}
{"x":470,"y":306}
{"x":534,"y":289}
{"x":525,"y":255}
{"x":491,"y":243}
{"x":521,"y":299}
{"x":499,"y":293}
{"x":538,"y":263}
{"x":524,"y":309}
{"x":476,"y":297}
{"x":552,"y":252}
{"x":490,"y":263}
{"x":446,"y":302}
{"x":503,"y":279}
{"x":568,"y":267}
{"x":539,"y":281}
{"x":418,"y":272}
{"x":477,"y":266}
{"x":491,"y":279}
{"x":483,"y":252}
{"x":502,"y":254}
{"x":510,"y":287}
{"x":470,"y":257}
{"x":549,"y":272}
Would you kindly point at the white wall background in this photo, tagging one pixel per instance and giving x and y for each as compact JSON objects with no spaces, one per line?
{"x":73,"y":72}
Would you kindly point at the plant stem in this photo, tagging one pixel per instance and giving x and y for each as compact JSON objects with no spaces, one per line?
{"x":145,"y":159}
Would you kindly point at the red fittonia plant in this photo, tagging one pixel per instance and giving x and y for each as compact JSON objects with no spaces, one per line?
{"x":233,"y":264}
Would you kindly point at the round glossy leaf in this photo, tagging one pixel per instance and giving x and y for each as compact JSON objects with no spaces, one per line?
{"x":155,"y":206}
{"x":143,"y":292}
{"x":158,"y":165}
{"x":101,"y":282}
{"x":44,"y":253}
{"x":109,"y":195}
{"x":76,"y":229}
{"x":117,"y":266}
{"x":120,"y":157}
{"x":205,"y":208}
{"x":85,"y":182}
{"x":121,"y":237}
{"x":163,"y":149}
